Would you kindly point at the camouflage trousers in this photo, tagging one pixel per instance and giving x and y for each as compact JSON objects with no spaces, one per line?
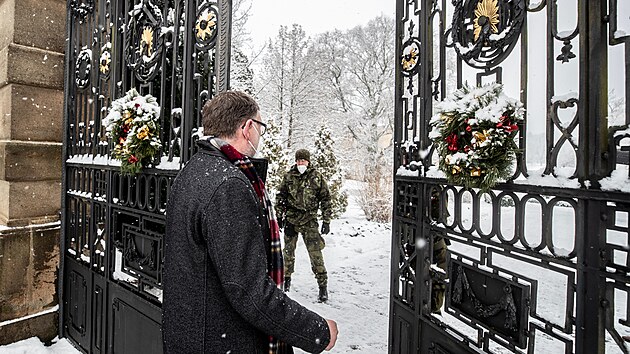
{"x":314,"y":245}
{"x":439,"y":287}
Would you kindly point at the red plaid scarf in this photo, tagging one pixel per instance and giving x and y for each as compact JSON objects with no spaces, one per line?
{"x":275,"y":265}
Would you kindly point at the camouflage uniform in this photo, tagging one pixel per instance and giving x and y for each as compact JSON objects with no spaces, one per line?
{"x":439,"y":257}
{"x":297,"y":202}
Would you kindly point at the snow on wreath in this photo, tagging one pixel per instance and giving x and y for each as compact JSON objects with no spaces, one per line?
{"x":474,"y":131}
{"x":132,"y":124}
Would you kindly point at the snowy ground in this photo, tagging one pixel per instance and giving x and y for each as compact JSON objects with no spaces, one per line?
{"x":34,"y":346}
{"x":357,"y":259}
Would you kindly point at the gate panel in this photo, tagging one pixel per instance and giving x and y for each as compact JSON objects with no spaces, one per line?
{"x":113,"y":224}
{"x":539,"y":263}
{"x":134,"y":323}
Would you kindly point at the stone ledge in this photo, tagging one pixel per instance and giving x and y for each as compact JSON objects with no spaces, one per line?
{"x":31,"y":113}
{"x":45,"y":327}
{"x":28,"y":222}
{"x":31,"y":66}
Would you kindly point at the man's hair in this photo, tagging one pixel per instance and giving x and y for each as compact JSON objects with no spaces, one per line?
{"x":224,"y":114}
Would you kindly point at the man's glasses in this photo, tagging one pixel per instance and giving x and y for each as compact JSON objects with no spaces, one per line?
{"x":263,"y":127}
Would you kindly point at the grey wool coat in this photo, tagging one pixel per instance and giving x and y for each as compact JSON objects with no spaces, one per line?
{"x":218,"y":297}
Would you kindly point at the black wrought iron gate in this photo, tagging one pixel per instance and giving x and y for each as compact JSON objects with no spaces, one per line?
{"x":113,"y":224}
{"x":539,"y":264}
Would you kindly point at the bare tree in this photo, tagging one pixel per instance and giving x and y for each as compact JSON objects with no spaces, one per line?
{"x":288,"y":85}
{"x":358,"y":69}
{"x":241,"y":11}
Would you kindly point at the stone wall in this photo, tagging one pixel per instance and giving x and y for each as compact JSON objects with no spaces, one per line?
{"x":32,"y":42}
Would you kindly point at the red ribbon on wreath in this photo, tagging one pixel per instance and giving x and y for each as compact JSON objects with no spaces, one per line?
{"x":506,"y":124}
{"x":452,"y":142}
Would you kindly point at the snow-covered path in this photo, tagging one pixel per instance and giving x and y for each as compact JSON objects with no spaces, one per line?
{"x":357,"y":257}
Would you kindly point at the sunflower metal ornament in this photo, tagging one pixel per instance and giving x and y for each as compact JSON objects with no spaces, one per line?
{"x":486,"y":14}
{"x":205,"y":25}
{"x":146,"y":41}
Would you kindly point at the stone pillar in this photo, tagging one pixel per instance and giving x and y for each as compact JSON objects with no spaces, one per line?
{"x":32,"y":42}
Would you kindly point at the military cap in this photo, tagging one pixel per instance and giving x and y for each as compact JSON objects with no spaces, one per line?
{"x":303,"y":154}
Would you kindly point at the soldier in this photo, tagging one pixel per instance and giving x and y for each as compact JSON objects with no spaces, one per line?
{"x":302,"y":192}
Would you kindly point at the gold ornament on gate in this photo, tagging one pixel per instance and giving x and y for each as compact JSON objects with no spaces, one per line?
{"x":205,"y":25}
{"x":487,"y":13}
{"x":147,"y":40}
{"x":104,"y":65}
{"x":475,"y":172}
{"x":409,"y":60}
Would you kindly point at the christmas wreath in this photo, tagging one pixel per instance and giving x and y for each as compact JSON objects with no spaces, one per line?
{"x":474,"y":135}
{"x":132,"y":124}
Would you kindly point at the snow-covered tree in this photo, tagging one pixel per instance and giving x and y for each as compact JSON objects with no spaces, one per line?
{"x":279,"y":160}
{"x":241,"y":10}
{"x":375,"y":197}
{"x":327,"y":164}
{"x":288,"y":85}
{"x":371,"y":72}
{"x":616,"y":109}
{"x":356,"y":68}
{"x":241,"y":76}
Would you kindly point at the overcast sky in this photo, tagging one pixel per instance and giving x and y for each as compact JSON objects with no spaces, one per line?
{"x":314,"y":16}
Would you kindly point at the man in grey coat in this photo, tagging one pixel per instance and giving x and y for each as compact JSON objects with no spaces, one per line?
{"x":218,"y":295}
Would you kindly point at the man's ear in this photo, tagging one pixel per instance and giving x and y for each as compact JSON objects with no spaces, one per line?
{"x":245,"y":129}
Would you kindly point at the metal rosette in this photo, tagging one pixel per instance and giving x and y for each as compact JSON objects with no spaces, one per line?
{"x":83,"y":68}
{"x":145,"y":40}
{"x":484,"y":32}
{"x":206,"y":26}
{"x":410,"y":57}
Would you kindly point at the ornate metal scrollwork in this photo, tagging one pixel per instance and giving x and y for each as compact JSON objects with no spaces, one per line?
{"x":83,"y":68}
{"x":144,"y":40}
{"x":497,"y":303}
{"x":505,"y":304}
{"x":81,"y":10}
{"x":206,"y":26}
{"x":484,"y":32}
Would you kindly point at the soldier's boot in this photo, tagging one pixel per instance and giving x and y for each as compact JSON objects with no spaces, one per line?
{"x":323,"y":294}
{"x":287,"y":284}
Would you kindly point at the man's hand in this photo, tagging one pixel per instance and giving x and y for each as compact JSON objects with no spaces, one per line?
{"x":332,"y":326}
{"x":325,"y":228}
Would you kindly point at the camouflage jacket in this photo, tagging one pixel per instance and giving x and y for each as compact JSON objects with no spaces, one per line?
{"x":301,"y":195}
